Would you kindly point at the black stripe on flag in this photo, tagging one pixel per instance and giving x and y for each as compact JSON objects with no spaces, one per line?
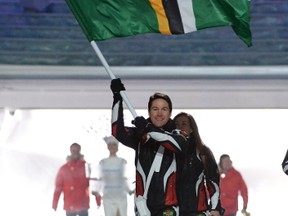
{"x":173,"y":15}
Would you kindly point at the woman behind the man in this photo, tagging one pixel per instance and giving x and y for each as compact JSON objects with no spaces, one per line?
{"x":198,"y":174}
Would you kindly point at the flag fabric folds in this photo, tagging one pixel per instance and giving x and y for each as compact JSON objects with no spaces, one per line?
{"x":104,"y":19}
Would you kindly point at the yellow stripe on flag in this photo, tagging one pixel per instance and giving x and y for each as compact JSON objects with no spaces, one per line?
{"x":161,"y":16}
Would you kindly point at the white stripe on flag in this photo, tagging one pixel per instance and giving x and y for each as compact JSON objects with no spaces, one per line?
{"x":187,"y":15}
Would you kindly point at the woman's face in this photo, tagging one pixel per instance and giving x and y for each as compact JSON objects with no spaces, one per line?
{"x":159,"y":112}
{"x":182,"y":123}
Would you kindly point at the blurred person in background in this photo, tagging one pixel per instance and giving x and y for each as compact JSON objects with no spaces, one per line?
{"x":71,"y":180}
{"x":232,"y":185}
{"x":285,"y":163}
{"x":112,"y":184}
{"x":198,"y":174}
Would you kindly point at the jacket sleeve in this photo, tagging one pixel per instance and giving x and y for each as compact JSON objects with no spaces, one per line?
{"x":212,"y":178}
{"x":58,"y":188}
{"x":244,"y":192}
{"x":98,"y":184}
{"x":174,"y":141}
{"x":285,"y":163}
{"x":126,"y":184}
{"x":126,"y":135}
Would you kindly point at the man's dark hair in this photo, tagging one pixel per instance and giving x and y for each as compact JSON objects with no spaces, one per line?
{"x":160,"y":96}
{"x":222,"y":157}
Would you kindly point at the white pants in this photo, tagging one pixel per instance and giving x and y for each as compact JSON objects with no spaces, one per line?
{"x":111,"y":206}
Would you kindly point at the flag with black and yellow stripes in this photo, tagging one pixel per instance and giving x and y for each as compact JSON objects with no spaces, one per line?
{"x":104,"y":19}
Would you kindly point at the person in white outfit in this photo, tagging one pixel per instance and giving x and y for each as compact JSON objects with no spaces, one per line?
{"x":112,"y":184}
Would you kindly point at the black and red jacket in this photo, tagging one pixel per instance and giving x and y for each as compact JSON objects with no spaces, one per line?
{"x":162,"y":189}
{"x":198,"y":188}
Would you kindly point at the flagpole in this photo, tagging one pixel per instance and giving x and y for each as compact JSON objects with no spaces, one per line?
{"x":112,"y":76}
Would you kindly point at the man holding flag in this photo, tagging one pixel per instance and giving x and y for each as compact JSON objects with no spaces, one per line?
{"x":154,"y":139}
{"x":156,"y":143}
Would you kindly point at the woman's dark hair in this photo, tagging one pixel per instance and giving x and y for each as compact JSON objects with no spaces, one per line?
{"x":158,"y":95}
{"x":205,"y":153}
{"x":195,"y":133}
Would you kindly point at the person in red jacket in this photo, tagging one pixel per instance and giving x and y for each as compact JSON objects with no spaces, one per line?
{"x":232,"y":185}
{"x":72,"y":181}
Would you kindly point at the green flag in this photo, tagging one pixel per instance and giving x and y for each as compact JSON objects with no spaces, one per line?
{"x":104,"y":19}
